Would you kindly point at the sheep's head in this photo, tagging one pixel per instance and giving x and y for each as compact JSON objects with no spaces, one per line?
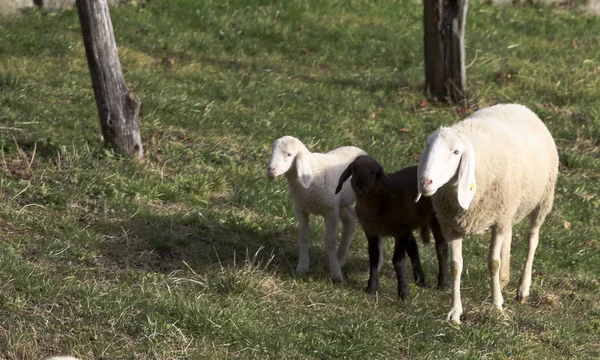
{"x":448,"y":157}
{"x":286,"y":152}
{"x":366,"y":172}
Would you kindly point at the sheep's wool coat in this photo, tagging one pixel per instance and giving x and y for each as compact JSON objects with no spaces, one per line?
{"x":516,"y":167}
{"x":320,"y":196}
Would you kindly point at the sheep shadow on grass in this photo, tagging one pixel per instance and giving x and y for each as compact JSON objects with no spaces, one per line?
{"x":166,"y":243}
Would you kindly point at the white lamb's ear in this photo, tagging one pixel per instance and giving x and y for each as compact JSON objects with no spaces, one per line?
{"x":466,"y":176}
{"x":303,"y":168}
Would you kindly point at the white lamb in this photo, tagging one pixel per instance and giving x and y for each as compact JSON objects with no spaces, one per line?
{"x":312,"y":180}
{"x":490,"y":171}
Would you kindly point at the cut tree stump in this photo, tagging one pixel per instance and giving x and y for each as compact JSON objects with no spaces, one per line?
{"x":445,"y":71}
{"x":118,"y":107}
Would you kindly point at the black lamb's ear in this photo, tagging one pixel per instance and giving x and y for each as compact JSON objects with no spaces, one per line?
{"x":345,"y":175}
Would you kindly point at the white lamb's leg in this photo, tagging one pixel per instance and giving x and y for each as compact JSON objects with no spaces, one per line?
{"x":499,"y":237}
{"x":331,"y":220}
{"x":303,"y":240}
{"x":533,"y":238}
{"x":348,"y":218}
{"x":505,"y":259}
{"x":455,"y":244}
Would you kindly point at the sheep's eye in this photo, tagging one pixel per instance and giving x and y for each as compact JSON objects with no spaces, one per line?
{"x":456,"y":152}
{"x":288,"y":154}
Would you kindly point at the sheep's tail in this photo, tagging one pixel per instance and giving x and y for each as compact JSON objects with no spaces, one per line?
{"x":425,"y":235}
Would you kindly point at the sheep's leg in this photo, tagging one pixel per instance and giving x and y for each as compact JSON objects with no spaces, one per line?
{"x":499,"y":235}
{"x":374,"y":256}
{"x":335,"y":270}
{"x":399,"y":261}
{"x":348,"y":218}
{"x":441,"y":250}
{"x":304,"y":241}
{"x":381,"y":247}
{"x":505,"y":259}
{"x":533,"y":237}
{"x":455,"y":243}
{"x":413,"y":252}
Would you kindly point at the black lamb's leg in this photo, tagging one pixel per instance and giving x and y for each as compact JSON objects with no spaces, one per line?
{"x":441,"y":249}
{"x":413,"y":252}
{"x":374,"y":250}
{"x":399,"y":260}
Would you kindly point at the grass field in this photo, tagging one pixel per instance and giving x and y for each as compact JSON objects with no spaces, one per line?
{"x":191,"y":253}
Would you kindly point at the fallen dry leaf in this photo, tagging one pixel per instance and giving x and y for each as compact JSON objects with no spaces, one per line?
{"x":574,"y":44}
{"x":590,"y":243}
{"x":552,"y":107}
{"x":422,"y":104}
{"x":325,"y":67}
{"x":414,"y":156}
{"x":403,"y":130}
{"x":460,"y":111}
{"x":567,"y":225}
{"x":168,"y":62}
{"x":143,"y":31}
{"x":588,"y":197}
{"x":502,"y":76}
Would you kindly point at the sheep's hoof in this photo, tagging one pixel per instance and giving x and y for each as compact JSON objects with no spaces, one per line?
{"x":421,"y":283}
{"x":454,"y":316}
{"x":337,"y":278}
{"x":403,"y":295}
{"x":442,"y":285}
{"x":522,"y":299}
{"x":371,"y":289}
{"x":302,"y":269}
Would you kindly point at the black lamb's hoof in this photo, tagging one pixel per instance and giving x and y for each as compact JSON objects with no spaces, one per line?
{"x":403,"y":295}
{"x":371,"y":289}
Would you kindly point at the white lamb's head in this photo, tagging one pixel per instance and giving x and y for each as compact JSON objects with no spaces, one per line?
{"x":290,"y":154}
{"x":448,"y":157}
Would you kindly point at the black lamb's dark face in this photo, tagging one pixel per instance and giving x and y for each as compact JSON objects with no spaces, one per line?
{"x":364,"y":179}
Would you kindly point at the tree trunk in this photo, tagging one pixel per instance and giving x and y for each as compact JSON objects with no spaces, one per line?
{"x":444,"y":26}
{"x":118,"y":107}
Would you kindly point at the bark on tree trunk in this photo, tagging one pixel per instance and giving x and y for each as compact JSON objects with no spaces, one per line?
{"x":444,"y":27}
{"x":118,"y":107}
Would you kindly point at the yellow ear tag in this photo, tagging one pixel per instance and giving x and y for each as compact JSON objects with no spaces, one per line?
{"x":472,"y":187}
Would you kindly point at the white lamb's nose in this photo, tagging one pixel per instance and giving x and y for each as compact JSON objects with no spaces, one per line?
{"x":426,"y":181}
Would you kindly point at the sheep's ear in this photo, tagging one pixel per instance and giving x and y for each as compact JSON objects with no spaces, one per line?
{"x":303,"y":168}
{"x":466,"y":176}
{"x":386,"y":181}
{"x":424,"y":155}
{"x":345,"y":175}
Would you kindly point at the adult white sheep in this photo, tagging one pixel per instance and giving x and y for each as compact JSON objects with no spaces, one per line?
{"x":312,"y":180}
{"x":490,"y":171}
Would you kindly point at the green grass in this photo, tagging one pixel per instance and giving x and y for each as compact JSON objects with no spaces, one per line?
{"x":191,"y":253}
